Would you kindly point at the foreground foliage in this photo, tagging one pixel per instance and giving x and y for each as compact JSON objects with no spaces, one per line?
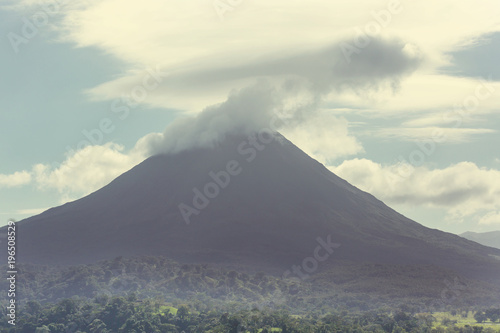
{"x":154,"y":294}
{"x":127,"y":314}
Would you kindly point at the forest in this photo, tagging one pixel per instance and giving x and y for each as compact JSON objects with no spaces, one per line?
{"x":129,"y":315}
{"x":155,"y":294}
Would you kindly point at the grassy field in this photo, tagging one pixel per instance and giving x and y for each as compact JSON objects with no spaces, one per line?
{"x":173,"y":311}
{"x":443,"y":319}
{"x":170,"y":309}
{"x":462,"y":321}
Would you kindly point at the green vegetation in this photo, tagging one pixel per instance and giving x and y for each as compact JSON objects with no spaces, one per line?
{"x":342,"y":287}
{"x":467,"y":318}
{"x":153,"y":294}
{"x":128,"y":315}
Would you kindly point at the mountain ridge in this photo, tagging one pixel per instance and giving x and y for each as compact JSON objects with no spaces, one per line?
{"x":490,"y":238}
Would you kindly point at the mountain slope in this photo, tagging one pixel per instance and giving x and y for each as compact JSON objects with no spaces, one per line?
{"x":491,"y":238}
{"x":269,"y":216}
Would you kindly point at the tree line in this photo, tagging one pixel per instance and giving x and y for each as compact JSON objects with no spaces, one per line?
{"x":119,"y":314}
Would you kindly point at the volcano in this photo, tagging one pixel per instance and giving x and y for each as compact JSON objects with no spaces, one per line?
{"x":257,"y":202}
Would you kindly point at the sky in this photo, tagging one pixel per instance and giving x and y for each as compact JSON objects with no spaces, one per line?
{"x":400,"y":98}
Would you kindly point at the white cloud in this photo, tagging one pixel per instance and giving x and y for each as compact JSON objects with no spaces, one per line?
{"x":86,"y":170}
{"x":324,"y":136}
{"x":436,"y":118}
{"x":437,"y":134}
{"x":448,"y":100}
{"x":202,"y":58}
{"x":202,"y":53}
{"x":247,"y":110}
{"x":382,"y":64}
{"x":153,"y":27}
{"x":462,"y":189}
{"x":490,"y":218}
{"x":31,"y":211}
{"x":18,"y":178}
{"x":81,"y":173}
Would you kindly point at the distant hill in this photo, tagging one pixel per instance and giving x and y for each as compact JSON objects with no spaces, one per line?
{"x":491,"y":238}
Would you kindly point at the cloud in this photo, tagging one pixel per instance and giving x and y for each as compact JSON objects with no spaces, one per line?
{"x":31,"y":211}
{"x":447,"y":99}
{"x":81,"y":173}
{"x":154,"y":27}
{"x":444,"y":119}
{"x":463,"y":189}
{"x":214,"y":57}
{"x":206,"y":57}
{"x":18,"y":178}
{"x":178,"y":35}
{"x":490,"y":218}
{"x":438,"y":134}
{"x":325,"y":137}
{"x":86,"y":170}
{"x":247,"y":110}
{"x":293,"y":86}
{"x":380,"y":64}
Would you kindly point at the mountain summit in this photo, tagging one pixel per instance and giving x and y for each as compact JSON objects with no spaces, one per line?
{"x":256,"y":201}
